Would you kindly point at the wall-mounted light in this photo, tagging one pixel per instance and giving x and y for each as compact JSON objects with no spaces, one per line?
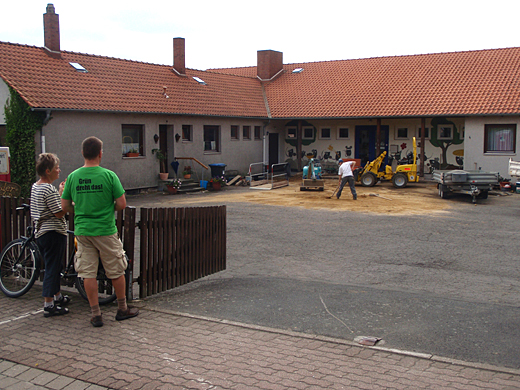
{"x":156,"y":138}
{"x":177,"y":137}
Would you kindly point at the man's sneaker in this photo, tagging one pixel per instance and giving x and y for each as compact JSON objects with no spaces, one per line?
{"x":55,"y":310}
{"x":97,"y":321}
{"x":128,"y":313}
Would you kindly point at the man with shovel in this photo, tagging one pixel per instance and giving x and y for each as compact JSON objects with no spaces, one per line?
{"x":346,"y":176}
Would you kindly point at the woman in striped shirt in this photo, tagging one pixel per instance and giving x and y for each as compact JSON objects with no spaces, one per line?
{"x":51,"y":231}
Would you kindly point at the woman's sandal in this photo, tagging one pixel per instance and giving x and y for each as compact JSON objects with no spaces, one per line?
{"x":54,"y":311}
{"x":63,"y":301}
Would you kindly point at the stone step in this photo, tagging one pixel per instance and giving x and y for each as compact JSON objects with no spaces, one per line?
{"x":184,"y":189}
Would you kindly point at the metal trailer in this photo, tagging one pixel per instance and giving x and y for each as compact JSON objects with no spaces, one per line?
{"x":477,"y":184}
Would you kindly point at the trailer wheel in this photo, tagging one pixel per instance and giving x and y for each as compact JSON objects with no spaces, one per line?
{"x":483,"y":195}
{"x":368,"y":179}
{"x":399,"y":180}
{"x":443,"y":191}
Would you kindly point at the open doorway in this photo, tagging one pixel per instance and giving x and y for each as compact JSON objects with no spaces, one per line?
{"x":165,"y":136}
{"x":366,"y":142}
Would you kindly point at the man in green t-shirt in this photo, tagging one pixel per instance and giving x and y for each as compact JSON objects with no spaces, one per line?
{"x":93,"y":194}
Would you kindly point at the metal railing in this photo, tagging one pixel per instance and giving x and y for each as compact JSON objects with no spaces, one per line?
{"x":267,"y":179}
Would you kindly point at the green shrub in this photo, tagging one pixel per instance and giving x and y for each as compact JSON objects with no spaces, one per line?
{"x":22,"y":123}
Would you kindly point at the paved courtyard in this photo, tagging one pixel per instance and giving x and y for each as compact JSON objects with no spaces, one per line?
{"x":441,"y":291}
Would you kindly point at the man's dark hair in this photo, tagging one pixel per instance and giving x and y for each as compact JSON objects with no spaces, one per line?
{"x":91,"y":147}
{"x":46,"y":161}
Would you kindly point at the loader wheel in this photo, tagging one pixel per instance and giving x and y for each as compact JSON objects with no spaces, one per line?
{"x":368,"y":179}
{"x":400,"y":180}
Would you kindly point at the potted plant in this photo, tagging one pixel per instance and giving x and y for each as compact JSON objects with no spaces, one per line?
{"x":173,"y":186}
{"x":162,"y":161}
{"x":132,"y":153}
{"x":217,"y":182}
{"x":187,"y":172}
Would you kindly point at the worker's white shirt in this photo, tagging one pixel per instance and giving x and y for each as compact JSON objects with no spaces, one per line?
{"x":345,"y":169}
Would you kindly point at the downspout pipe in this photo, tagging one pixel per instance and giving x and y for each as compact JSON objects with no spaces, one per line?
{"x":42,"y":135}
{"x":265,"y":134}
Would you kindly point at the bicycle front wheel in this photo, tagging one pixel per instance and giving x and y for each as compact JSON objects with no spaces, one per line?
{"x":19,"y":268}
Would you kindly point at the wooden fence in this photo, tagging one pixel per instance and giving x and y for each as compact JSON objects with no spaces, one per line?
{"x":180,"y":245}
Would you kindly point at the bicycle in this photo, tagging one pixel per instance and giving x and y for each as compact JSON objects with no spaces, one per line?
{"x":21,"y":262}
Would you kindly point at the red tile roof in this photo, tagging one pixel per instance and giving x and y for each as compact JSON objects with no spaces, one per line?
{"x":462,"y":83}
{"x":459,"y":83}
{"x":120,"y":85}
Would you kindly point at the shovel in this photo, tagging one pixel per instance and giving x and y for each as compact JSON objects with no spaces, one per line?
{"x":329,"y":197}
{"x":379,"y":196}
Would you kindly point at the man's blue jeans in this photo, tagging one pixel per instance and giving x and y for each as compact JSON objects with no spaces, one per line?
{"x":351,"y":183}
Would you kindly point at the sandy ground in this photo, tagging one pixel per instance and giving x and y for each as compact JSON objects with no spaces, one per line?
{"x":418,"y":198}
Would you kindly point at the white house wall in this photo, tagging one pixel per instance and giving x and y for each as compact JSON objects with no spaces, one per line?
{"x":67,"y":129}
{"x":475,"y":158}
{"x":324,"y":145}
{"x":4,"y":95}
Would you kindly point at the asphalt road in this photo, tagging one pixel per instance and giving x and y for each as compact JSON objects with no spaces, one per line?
{"x":447,"y":284}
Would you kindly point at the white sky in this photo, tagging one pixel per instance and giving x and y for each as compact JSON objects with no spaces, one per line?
{"x":228,"y":33}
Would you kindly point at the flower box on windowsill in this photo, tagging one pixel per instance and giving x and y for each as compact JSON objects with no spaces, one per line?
{"x":132,"y":154}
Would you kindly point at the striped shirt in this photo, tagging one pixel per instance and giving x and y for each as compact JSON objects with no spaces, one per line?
{"x":45,"y":202}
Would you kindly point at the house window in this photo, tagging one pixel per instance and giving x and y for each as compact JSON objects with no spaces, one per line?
{"x":132,"y":139}
{"x":258,"y":132}
{"x":401,"y":133}
{"x":445,"y":132}
{"x":500,"y":138}
{"x":234,"y":132}
{"x":246,"y":132}
{"x":308,"y":132}
{"x":325,"y":133}
{"x":187,"y":133}
{"x":291,"y":132}
{"x":211,"y":138}
{"x":343,"y":133}
{"x":426,"y":133}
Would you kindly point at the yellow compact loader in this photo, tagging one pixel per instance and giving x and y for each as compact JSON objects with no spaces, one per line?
{"x":369,"y":175}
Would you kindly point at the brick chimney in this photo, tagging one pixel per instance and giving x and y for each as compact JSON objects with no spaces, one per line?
{"x":269,"y":63}
{"x":51,"y":30}
{"x":178,"y":56}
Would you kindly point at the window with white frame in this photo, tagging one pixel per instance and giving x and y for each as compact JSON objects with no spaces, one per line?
{"x":325,"y":133}
{"x":445,"y":132}
{"x":246,"y":132}
{"x":401,"y":133}
{"x":132,"y":140}
{"x":500,"y":138}
{"x":234,"y":132}
{"x":291,"y":132}
{"x":343,"y":133}
{"x":187,"y":133}
{"x":308,"y":133}
{"x":426,"y":133}
{"x":211,"y":138}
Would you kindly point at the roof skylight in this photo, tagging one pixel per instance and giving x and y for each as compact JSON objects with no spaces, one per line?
{"x":297,"y":70}
{"x":78,"y":67}
{"x":199,"y":80}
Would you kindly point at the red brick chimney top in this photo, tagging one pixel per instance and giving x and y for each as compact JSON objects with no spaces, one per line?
{"x":51,"y":31}
{"x":269,"y":64}
{"x":178,"y":56}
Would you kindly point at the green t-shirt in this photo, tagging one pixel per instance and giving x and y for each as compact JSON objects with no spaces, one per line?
{"x":93,"y":191}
